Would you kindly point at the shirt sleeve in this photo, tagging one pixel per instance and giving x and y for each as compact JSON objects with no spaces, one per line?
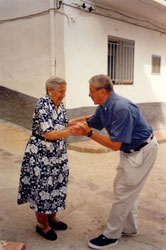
{"x":43,"y":120}
{"x":122,"y":126}
{"x":95,"y":121}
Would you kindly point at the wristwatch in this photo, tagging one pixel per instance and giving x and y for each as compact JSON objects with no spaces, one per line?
{"x":90,"y":133}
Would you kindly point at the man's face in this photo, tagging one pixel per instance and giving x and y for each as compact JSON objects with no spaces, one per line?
{"x":96,"y":94}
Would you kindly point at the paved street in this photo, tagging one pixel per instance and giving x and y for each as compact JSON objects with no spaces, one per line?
{"x":90,"y":194}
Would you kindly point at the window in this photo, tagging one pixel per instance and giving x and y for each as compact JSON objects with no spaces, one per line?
{"x":121,"y":60}
{"x":156,"y":62}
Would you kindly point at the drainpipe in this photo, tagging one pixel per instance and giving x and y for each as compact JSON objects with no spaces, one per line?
{"x":52,"y":36}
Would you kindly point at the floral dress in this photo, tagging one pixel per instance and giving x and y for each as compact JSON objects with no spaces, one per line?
{"x":44,"y":172}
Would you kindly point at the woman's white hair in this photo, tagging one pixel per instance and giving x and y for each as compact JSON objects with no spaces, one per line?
{"x":54,"y":83}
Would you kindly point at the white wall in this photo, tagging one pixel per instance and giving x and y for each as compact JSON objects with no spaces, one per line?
{"x":81,"y":52}
{"x":86,"y":54}
{"x":24,"y":46}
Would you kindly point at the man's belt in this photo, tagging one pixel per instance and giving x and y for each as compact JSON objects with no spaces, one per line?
{"x":140,"y":146}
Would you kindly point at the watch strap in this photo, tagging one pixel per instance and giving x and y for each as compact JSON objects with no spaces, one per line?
{"x":90,"y":133}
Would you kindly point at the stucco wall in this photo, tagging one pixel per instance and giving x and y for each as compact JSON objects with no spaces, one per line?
{"x":81,"y":52}
{"x":86,"y":55}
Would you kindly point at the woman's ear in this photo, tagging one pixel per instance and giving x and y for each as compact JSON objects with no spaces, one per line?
{"x":49,"y":91}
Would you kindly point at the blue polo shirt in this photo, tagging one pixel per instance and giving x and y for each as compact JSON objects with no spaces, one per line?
{"x":123,"y":122}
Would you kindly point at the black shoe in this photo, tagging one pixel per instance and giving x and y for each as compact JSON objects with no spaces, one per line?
{"x":102,"y":242}
{"x":50,"y":235}
{"x":57,"y":225}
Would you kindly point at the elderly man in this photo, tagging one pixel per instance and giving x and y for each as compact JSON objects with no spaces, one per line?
{"x":128,"y":132}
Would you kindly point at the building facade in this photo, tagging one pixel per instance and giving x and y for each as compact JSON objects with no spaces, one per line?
{"x":77,"y":39}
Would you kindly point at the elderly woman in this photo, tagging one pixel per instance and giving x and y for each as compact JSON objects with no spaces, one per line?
{"x":44,"y":172}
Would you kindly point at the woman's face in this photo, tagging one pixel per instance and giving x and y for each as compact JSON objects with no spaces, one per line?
{"x":58,"y":94}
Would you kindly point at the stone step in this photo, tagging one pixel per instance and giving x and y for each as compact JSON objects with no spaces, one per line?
{"x":9,"y":245}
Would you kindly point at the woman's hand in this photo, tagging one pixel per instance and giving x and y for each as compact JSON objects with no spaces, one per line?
{"x":81,"y":128}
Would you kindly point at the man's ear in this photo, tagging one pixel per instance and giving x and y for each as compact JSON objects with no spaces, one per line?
{"x":103,"y":91}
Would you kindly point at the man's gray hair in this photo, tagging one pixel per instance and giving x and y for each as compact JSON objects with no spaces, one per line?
{"x":54,"y":83}
{"x":102,"y":81}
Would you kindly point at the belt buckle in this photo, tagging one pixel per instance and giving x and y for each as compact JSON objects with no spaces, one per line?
{"x":132,"y":150}
{"x":150,"y":138}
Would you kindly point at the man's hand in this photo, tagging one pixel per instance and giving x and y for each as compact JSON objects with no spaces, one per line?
{"x":81,"y":128}
{"x":74,"y":121}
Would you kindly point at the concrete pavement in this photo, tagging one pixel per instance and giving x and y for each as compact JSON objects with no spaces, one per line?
{"x":90,"y":194}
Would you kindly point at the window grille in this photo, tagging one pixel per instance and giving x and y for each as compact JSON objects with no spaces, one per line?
{"x":121,"y":60}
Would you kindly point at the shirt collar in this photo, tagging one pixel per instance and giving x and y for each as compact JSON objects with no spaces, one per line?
{"x":109,"y":101}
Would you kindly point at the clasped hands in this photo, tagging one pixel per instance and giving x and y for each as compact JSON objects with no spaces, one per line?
{"x":81,"y":128}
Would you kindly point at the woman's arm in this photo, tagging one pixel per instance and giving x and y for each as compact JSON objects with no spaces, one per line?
{"x":76,"y":120}
{"x":57,"y":134}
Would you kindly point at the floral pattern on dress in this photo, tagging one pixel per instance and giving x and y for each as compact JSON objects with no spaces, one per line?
{"x":44,"y":171}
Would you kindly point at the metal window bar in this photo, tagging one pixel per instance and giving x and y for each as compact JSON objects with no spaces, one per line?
{"x":121,"y":61}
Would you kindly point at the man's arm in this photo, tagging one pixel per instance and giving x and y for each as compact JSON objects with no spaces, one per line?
{"x":83,"y":129}
{"x":106,"y":141}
